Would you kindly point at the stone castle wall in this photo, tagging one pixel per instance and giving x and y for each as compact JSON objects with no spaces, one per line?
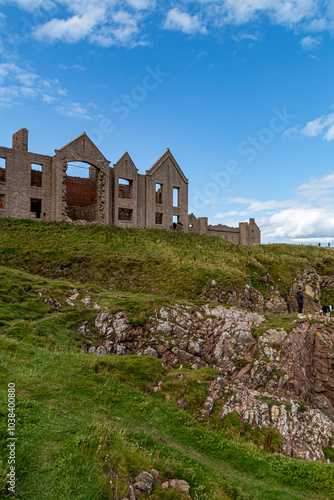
{"x":248,"y":233}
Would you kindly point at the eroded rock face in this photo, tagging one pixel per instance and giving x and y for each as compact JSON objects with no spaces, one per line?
{"x":300,"y":362}
{"x":249,"y":298}
{"x":304,"y":431}
{"x":210,"y":335}
{"x":297,"y":363}
{"x":273,"y":302}
{"x":310,"y":281}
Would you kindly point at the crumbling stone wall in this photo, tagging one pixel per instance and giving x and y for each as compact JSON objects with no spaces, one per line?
{"x":81,"y":198}
{"x":81,"y":192}
{"x":231,"y":234}
{"x":248,"y":233}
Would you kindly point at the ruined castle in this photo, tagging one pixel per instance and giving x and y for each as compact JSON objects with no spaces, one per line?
{"x":35,"y":186}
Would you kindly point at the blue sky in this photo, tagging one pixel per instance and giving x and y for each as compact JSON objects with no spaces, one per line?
{"x":241,"y":91}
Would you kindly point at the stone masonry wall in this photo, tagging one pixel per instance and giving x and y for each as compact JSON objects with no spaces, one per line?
{"x":247,"y":233}
{"x":80,"y":192}
{"x":83,"y":213}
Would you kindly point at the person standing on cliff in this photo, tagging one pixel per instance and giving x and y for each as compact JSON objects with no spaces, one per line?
{"x":300,"y":300}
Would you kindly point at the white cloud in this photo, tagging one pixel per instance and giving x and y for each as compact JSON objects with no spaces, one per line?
{"x":73,"y":66}
{"x":322,"y":126}
{"x":319,"y":126}
{"x":182,"y":21}
{"x":18,"y":83}
{"x":124,"y":22}
{"x":123,"y":31}
{"x":259,"y":206}
{"x":70,"y":30}
{"x":249,"y":37}
{"x":286,"y":12}
{"x":300,"y":222}
{"x":31,"y":5}
{"x":47,"y":98}
{"x":307,"y":218}
{"x":292,"y":132}
{"x":310,"y":43}
{"x":73,"y":110}
{"x":317,"y":187}
{"x":231,"y":213}
{"x":101,"y":23}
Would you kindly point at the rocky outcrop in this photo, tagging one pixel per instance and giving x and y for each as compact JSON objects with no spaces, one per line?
{"x":145,"y":482}
{"x":273,"y":301}
{"x":327,"y":283}
{"x":310,"y":282}
{"x":304,"y":431}
{"x":258,"y":360}
{"x":249,"y":298}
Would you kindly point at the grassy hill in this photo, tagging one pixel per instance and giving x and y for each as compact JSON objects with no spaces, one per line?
{"x":86,"y":425}
{"x":156,"y":262}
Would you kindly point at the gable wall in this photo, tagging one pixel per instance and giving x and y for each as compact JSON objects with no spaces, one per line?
{"x":125,"y":199}
{"x":167,"y":175}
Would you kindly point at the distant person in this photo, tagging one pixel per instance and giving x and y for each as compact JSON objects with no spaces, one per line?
{"x":329,"y":244}
{"x":174,"y":226}
{"x":300,"y":300}
{"x":319,"y":244}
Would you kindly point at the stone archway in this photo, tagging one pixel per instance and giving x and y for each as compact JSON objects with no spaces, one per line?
{"x":78,"y":198}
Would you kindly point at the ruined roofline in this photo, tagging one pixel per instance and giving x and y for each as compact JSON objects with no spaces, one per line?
{"x":78,"y":137}
{"x":160,"y":161}
{"x":121,"y":158}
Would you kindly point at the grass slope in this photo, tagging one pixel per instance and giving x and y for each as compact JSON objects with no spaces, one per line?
{"x":87,"y":425}
{"x":155,"y":262}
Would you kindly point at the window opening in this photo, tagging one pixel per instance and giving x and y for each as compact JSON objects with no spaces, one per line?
{"x":2,"y":201}
{"x":125,"y":214}
{"x":36,"y":175}
{"x":2,"y":169}
{"x":125,"y":189}
{"x":158,"y":194}
{"x":176,"y":197}
{"x":158,"y":218}
{"x":36,"y":207}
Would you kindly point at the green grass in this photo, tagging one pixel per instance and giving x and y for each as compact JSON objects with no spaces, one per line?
{"x":83,"y":421}
{"x":162,"y":263}
{"x":62,"y":421}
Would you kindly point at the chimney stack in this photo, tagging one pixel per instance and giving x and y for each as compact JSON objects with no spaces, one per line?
{"x":20,"y":140}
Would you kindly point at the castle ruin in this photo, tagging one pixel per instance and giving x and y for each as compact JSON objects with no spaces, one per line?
{"x":37,"y":187}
